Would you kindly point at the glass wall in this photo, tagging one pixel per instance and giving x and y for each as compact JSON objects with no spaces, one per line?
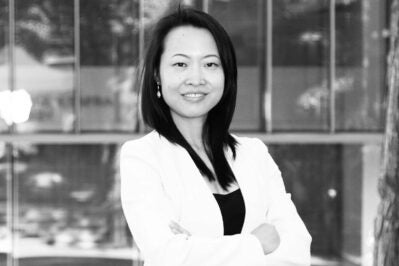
{"x":109,"y":55}
{"x":326,"y":185}
{"x":72,"y":69}
{"x":69,"y":208}
{"x":360,"y":60}
{"x":300,"y":97}
{"x":313,"y":60}
{"x":44,"y":53}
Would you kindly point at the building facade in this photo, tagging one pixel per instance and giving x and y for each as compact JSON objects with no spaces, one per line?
{"x":311,"y":86}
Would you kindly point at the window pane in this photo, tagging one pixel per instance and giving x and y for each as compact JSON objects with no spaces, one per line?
{"x":300,"y":65}
{"x":326,"y":186}
{"x":152,"y":12}
{"x":360,"y":69}
{"x":243,"y":21}
{"x":5,"y":234}
{"x":44,"y":59}
{"x":69,"y":210}
{"x":109,"y":42}
{"x":4,"y":65}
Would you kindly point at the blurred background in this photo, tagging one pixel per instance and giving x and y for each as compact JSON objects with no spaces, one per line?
{"x":312,"y":86}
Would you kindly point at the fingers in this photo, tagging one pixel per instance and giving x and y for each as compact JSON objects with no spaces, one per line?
{"x":177,"y":229}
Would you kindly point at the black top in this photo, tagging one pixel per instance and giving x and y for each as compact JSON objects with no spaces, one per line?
{"x":232,"y":208}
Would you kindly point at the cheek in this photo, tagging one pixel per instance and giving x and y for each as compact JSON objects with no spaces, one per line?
{"x":170,"y":80}
{"x":170,"y":88}
{"x":168,"y":97}
{"x":219,"y":82}
{"x":165,"y":74}
{"x":170,"y":93}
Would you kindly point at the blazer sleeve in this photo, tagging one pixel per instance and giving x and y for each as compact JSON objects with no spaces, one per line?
{"x":295,"y":239}
{"x":148,"y":212}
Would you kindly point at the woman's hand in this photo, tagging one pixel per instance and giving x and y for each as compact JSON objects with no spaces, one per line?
{"x":268,"y":237}
{"x":177,"y":229}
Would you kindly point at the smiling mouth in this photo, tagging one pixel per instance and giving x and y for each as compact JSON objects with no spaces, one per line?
{"x":194,"y":95}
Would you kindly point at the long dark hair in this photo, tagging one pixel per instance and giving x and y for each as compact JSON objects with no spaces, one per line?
{"x":156,"y":112}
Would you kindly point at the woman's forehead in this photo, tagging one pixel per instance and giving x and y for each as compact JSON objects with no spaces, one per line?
{"x":190,"y":40}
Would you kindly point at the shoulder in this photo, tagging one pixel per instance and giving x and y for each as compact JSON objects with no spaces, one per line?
{"x":145,"y":146}
{"x":249,"y":144}
{"x":255,"y":149}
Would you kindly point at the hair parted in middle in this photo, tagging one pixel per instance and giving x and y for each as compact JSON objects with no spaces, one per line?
{"x":156,"y":112}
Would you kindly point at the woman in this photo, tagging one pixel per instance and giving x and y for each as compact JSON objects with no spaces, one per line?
{"x":192,"y":193}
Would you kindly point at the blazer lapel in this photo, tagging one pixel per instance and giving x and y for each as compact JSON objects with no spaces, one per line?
{"x":199,"y":211}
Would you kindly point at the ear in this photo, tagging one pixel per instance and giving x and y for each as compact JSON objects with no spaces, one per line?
{"x":156,"y":77}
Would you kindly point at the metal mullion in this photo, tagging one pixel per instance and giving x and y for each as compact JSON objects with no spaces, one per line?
{"x":77,"y":75}
{"x":11,"y":52}
{"x":12,"y":199}
{"x":332,"y":68}
{"x":205,"y":6}
{"x":261,"y":62}
{"x":115,"y":138}
{"x":141,"y":127}
{"x":141,"y":30}
{"x":10,"y":204}
{"x":13,"y":203}
{"x":267,"y":96}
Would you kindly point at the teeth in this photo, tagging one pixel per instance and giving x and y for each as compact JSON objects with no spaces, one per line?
{"x":193,"y":95}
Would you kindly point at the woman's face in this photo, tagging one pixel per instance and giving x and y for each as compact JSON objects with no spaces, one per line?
{"x":190,"y":73}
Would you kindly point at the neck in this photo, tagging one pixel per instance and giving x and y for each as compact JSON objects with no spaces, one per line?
{"x":191,"y":129}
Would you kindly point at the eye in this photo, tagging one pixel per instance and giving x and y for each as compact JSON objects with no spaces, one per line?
{"x":180,"y":64}
{"x":212,"y":65}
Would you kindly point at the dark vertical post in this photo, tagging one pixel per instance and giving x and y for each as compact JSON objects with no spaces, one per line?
{"x":11,"y":203}
{"x":269,"y":67}
{"x":331,"y":78}
{"x":77,"y":74}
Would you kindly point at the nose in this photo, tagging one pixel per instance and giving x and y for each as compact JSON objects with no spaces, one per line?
{"x":195,"y":76}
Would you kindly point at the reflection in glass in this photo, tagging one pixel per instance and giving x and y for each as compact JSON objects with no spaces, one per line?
{"x":326,"y":186}
{"x":109,"y":42}
{"x":153,"y":10}
{"x":69,"y":206}
{"x":44,"y":59}
{"x":243,"y":21}
{"x":360,"y":50}
{"x":4,"y":61}
{"x":300,"y":65}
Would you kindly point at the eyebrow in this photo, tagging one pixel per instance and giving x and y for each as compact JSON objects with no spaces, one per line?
{"x":184,"y":55}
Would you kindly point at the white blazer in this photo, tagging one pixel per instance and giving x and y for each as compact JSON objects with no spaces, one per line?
{"x":160,"y":183}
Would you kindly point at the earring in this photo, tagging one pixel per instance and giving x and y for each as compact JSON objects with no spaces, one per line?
{"x":158,"y":90}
